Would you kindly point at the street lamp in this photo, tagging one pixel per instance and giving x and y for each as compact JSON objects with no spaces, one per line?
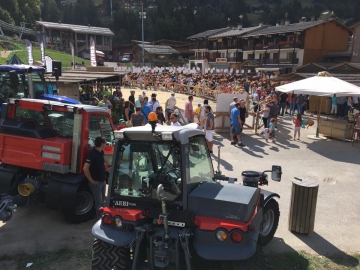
{"x":241,"y":17}
{"x":142,"y":16}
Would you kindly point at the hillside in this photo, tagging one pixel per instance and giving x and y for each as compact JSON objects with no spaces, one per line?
{"x":9,"y":48}
{"x":172,"y":19}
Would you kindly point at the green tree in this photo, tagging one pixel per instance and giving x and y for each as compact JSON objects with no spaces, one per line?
{"x":50,"y":11}
{"x":5,"y":16}
{"x":12,"y":7}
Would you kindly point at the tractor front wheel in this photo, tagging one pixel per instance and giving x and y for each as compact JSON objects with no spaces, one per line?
{"x":270,"y":221}
{"x":106,"y":256}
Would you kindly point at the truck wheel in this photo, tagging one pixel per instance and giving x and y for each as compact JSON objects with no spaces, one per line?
{"x":84,"y":206}
{"x":270,"y":221}
{"x":106,"y":256}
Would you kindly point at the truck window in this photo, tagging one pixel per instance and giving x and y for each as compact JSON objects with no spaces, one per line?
{"x":200,"y":165}
{"x":62,"y":123}
{"x":37,"y":116}
{"x":100,"y":126}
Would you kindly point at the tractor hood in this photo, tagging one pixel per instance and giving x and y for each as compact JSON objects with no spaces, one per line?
{"x":61,"y":99}
{"x":223,"y":200}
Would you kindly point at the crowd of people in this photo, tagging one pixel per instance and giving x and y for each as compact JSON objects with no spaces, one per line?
{"x":206,"y":85}
{"x":266,"y":102}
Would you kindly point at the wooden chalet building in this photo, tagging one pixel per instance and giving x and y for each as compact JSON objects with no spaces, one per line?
{"x":281,"y":47}
{"x":154,"y":55}
{"x":59,"y":35}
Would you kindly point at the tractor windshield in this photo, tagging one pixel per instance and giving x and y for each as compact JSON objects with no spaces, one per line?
{"x":141,"y":167}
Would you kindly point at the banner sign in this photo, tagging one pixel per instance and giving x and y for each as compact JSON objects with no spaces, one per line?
{"x":72,"y":54}
{"x":42,"y":49}
{"x":29,"y":52}
{"x":92,"y":52}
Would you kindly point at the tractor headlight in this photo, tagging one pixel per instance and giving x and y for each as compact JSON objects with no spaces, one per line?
{"x":166,"y":136}
{"x":119,"y":135}
{"x":118,"y":222}
{"x":221,"y":235}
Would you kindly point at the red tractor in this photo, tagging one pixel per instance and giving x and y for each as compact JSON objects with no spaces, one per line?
{"x":43,"y":145}
{"x":166,"y":209}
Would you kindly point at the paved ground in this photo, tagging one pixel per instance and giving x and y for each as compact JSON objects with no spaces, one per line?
{"x":333,"y":164}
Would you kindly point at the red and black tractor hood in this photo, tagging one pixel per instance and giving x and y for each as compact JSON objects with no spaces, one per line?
{"x":223,"y":201}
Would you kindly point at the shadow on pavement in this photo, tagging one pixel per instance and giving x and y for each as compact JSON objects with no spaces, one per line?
{"x":227,"y":166}
{"x":325,"y":248}
{"x":334,"y":150}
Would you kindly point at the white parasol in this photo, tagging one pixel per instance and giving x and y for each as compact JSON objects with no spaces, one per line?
{"x":321,"y":85}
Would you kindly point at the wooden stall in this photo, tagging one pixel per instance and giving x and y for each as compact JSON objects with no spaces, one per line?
{"x":342,"y":130}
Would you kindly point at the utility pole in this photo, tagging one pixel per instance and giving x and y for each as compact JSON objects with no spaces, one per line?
{"x":142,"y":15}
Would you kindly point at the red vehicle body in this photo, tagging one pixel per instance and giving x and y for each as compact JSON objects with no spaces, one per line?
{"x":43,"y":146}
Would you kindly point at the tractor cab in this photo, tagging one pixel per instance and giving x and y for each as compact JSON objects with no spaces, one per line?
{"x":175,"y":157}
{"x":172,"y":164}
{"x":23,"y":81}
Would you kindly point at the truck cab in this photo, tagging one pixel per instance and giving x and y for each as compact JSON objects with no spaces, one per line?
{"x":43,"y":146}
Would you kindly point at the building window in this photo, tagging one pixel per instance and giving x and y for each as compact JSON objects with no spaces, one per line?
{"x":250,"y":43}
{"x":290,"y":55}
{"x":106,"y":40}
{"x":251,"y":56}
{"x":98,"y":40}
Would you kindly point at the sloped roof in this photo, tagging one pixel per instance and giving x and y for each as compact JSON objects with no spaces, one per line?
{"x":81,"y":29}
{"x":158,"y":49}
{"x":301,"y":26}
{"x":237,"y":32}
{"x":208,"y":33}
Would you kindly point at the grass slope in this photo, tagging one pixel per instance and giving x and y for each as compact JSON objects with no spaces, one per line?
{"x":19,"y":50}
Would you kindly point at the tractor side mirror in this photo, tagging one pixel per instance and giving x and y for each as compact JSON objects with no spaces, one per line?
{"x":14,"y":79}
{"x":160,"y":192}
{"x":276,"y":173}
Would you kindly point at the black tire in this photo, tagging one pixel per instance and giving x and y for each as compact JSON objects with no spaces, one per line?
{"x":106,"y":256}
{"x":84,"y":206}
{"x":270,"y":221}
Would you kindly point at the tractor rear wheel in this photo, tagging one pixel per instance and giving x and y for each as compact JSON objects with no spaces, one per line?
{"x":270,"y":221}
{"x":106,"y":256}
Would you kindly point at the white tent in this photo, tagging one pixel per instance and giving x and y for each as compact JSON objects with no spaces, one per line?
{"x":321,"y":86}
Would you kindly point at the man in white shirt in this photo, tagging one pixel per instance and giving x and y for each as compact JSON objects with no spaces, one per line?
{"x":174,"y":120}
{"x":153,"y":103}
{"x":170,"y":104}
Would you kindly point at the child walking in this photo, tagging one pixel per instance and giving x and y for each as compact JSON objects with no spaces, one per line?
{"x":297,"y":123}
{"x":272,"y":129}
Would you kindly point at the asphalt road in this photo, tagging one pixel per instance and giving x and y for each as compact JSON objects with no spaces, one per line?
{"x":333,"y":164}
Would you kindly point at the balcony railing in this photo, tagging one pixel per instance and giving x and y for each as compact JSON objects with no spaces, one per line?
{"x":212,"y":47}
{"x":199,"y":57}
{"x":212,"y":59}
{"x":248,"y":48}
{"x":222,"y":46}
{"x":280,"y":61}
